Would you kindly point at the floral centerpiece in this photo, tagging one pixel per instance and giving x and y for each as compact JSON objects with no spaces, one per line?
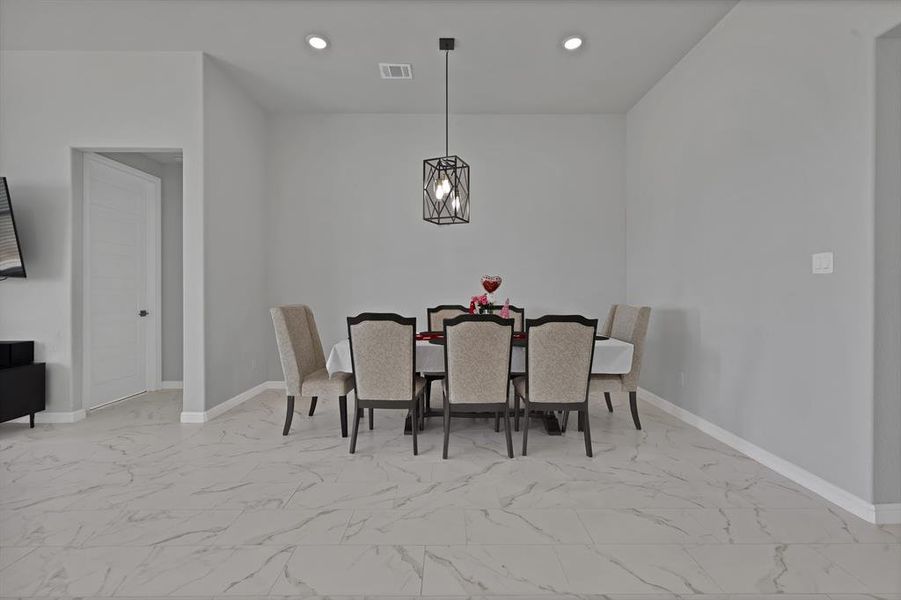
{"x":484,"y":303}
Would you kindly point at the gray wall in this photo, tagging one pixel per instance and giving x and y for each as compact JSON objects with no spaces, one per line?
{"x":237,"y":325}
{"x":345,"y":228}
{"x":754,"y":152}
{"x":171,"y":265}
{"x":887,"y":368}
{"x":50,"y":103}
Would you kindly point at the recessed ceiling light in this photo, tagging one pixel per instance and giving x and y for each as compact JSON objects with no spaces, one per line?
{"x":573,"y":42}
{"x":317,"y":42}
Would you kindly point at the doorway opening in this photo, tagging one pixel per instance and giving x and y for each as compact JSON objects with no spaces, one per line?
{"x":128,"y":262}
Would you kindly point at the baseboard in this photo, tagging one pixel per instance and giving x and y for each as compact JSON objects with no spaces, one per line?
{"x":171,"y":385}
{"x":46,"y":417}
{"x":888,"y":514}
{"x":208,"y":415}
{"x":816,"y":484}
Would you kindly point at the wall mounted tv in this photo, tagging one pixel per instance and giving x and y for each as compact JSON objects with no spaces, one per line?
{"x":11,"y":264}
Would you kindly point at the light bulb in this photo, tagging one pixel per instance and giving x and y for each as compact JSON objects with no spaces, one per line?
{"x":455,"y":203}
{"x":442,"y":187}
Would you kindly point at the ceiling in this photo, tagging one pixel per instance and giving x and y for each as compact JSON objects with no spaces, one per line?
{"x":508,"y":57}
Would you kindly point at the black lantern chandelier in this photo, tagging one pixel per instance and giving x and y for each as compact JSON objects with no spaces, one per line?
{"x":445,"y":180}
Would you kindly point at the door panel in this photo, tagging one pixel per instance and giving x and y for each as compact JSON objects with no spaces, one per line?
{"x":118,"y":203}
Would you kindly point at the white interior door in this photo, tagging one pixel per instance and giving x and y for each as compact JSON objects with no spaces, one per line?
{"x":121,"y":281}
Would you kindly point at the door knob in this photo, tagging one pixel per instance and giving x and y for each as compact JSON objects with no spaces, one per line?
{"x":143,"y":313}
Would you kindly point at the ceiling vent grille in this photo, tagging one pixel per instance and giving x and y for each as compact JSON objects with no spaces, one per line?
{"x":396,"y":71}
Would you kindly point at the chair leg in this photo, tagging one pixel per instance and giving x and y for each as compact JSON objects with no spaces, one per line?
{"x":497,"y":421}
{"x":289,"y":415}
{"x":342,"y":408}
{"x":428,"y":397}
{"x":584,"y":417}
{"x":580,"y":423}
{"x":446,"y":427}
{"x":525,"y":430}
{"x":371,"y":414}
{"x":516,"y":412}
{"x":507,"y":431}
{"x":356,"y":428}
{"x":415,"y":409}
{"x":633,"y":404}
{"x":564,"y":421}
{"x":609,"y":404}
{"x":312,"y":406}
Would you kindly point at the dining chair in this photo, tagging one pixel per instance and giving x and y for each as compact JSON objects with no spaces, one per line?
{"x":629,"y":324}
{"x":516,"y":313}
{"x":303,"y":362}
{"x":559,"y":354}
{"x":477,"y":354}
{"x":383,"y":357}
{"x":435,"y":317}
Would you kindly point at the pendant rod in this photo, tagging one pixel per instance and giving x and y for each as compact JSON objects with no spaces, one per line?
{"x":446,"y":135}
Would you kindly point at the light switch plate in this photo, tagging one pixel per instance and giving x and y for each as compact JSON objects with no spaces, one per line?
{"x":822,"y":263}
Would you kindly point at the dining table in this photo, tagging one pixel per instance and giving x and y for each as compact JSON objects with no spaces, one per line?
{"x":611,"y":357}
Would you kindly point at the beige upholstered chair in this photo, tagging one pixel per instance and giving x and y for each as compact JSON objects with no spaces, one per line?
{"x":383,"y":355}
{"x":477,"y":366}
{"x":303,"y":362}
{"x":436,"y":316}
{"x":517,"y":314}
{"x":629,"y":324}
{"x":558,"y":365}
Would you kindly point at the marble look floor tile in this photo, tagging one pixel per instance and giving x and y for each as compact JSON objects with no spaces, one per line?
{"x":775,"y":569}
{"x":58,"y":528}
{"x":129,"y":495}
{"x":863,"y":597}
{"x":10,"y":554}
{"x":417,"y":527}
{"x":421,"y":496}
{"x":877,"y":565}
{"x":206,"y":571}
{"x":815,"y":525}
{"x":634,"y":569}
{"x":378,"y":570}
{"x":516,"y":495}
{"x":70,"y":572}
{"x":225,"y":495}
{"x":498,"y":526}
{"x":162,"y":527}
{"x":363,"y":494}
{"x":285,"y":527}
{"x":507,"y":570}
{"x":396,"y":470}
{"x":655,"y":525}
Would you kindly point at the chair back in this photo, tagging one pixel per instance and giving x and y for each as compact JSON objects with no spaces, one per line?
{"x":629,"y":324}
{"x":517,"y":314}
{"x":437,"y":315}
{"x":382,"y":353}
{"x":558,"y":357}
{"x":299,"y":346}
{"x":477,"y":359}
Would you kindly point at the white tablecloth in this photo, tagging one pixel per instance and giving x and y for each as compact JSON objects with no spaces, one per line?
{"x":610,"y":357}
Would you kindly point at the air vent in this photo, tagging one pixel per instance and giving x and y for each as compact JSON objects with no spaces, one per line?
{"x":396,"y":71}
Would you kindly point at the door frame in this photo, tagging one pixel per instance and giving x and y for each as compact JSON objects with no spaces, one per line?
{"x":153,"y":332}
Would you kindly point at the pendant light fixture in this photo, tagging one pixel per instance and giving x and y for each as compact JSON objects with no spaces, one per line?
{"x":445,"y":180}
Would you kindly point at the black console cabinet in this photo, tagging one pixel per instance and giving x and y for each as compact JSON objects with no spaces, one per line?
{"x":22,"y":391}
